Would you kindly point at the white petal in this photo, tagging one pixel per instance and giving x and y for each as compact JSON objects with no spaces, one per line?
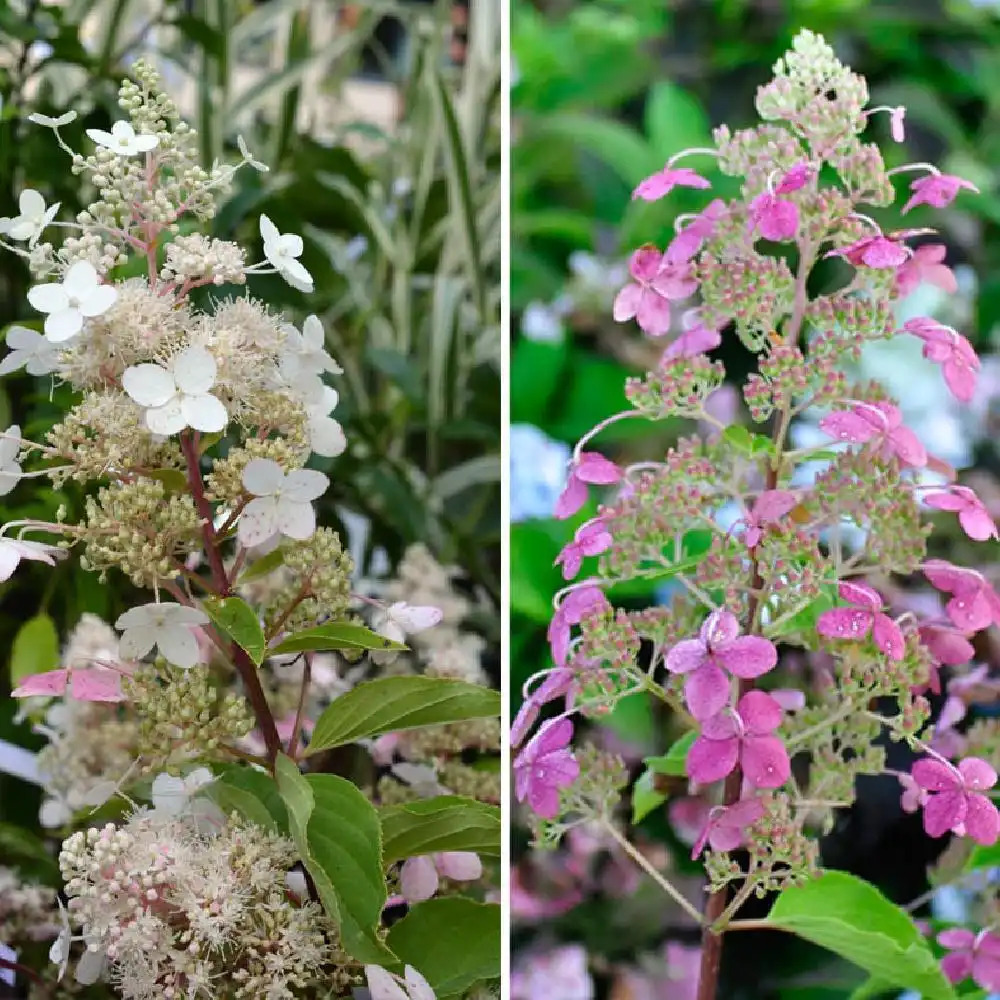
{"x":415,"y":618}
{"x":290,"y":245}
{"x":9,"y":559}
{"x":312,"y":334}
{"x":90,"y":967}
{"x":31,"y":203}
{"x":40,"y":364}
{"x":263,"y":477}
{"x":169,"y":795}
{"x":197,"y":778}
{"x":64,"y":119}
{"x":268,"y":231}
{"x":81,"y":279}
{"x":204,"y":413}
{"x":418,"y":879}
{"x":62,"y":325}
{"x":9,"y":478}
{"x":178,"y":645}
{"x":167,"y":419}
{"x":14,"y":361}
{"x":21,"y":338}
{"x":53,"y":813}
{"x":180,"y":614}
{"x":145,"y":142}
{"x":99,"y":301}
{"x":326,"y":437}
{"x":48,"y":298}
{"x":10,"y":445}
{"x":101,"y":137}
{"x":296,"y":520}
{"x":139,"y":617}
{"x":292,"y":269}
{"x":194,"y":370}
{"x":136,"y":642}
{"x":258,"y":522}
{"x":149,"y":385}
{"x":123,"y":130}
{"x":381,"y":985}
{"x":22,"y":229}
{"x":303,"y":485}
{"x":417,"y":986}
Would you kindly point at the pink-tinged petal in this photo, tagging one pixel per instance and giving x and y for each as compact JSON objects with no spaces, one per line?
{"x":626,"y":303}
{"x":961,"y":380}
{"x":653,"y":314}
{"x":935,"y":776}
{"x":698,"y":340}
{"x":711,"y":760}
{"x":765,"y":761}
{"x":723,"y":838}
{"x":986,"y":971}
{"x":460,"y":866}
{"x":860,"y":594}
{"x":846,"y":425}
{"x":908,"y":448}
{"x":896,"y":127}
{"x":883,"y":253}
{"x":977,"y":523}
{"x":687,"y":655}
{"x":761,"y":714}
{"x":977,"y":774}
{"x":571,"y":559}
{"x":552,"y":735}
{"x":559,"y":636}
{"x":544,"y":800}
{"x":943,"y":812}
{"x":594,"y":468}
{"x":957,"y":966}
{"x":982,"y":821}
{"x":780,"y":222}
{"x":418,"y":879}
{"x":947,"y":645}
{"x":675,"y":281}
{"x":593,"y":538}
{"x":50,"y":683}
{"x":684,"y":246}
{"x":956,"y":937}
{"x":723,"y":726}
{"x":644,"y":263}
{"x":790,"y":699}
{"x":572,"y":498}
{"x":845,"y":623}
{"x":889,"y":637}
{"x":952,"y":579}
{"x":706,"y":691}
{"x":795,"y":178}
{"x":945,"y":500}
{"x":96,"y":684}
{"x":718,"y":629}
{"x":772,"y":504}
{"x":748,"y":656}
{"x":970,"y":612}
{"x":664,"y":181}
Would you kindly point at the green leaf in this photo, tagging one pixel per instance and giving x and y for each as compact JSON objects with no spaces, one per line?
{"x":251,"y":793}
{"x":335,"y":635}
{"x":622,"y":148}
{"x":674,"y":761}
{"x":35,"y":649}
{"x":645,"y":796}
{"x":261,"y":567}
{"x":389,"y":704}
{"x":443,"y":823}
{"x":173,"y":479}
{"x":239,"y":621}
{"x":746,"y":442}
{"x":674,"y":119}
{"x":534,"y":578}
{"x":453,"y":941}
{"x":872,"y":987}
{"x":337,"y":834}
{"x":983,"y":857}
{"x":853,"y":919}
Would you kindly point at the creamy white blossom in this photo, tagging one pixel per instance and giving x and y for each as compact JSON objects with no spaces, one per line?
{"x":167,"y":626}
{"x":305,"y":352}
{"x":31,"y":351}
{"x":326,"y":436}
{"x":282,"y":504}
{"x":177,"y":397}
{"x":170,"y":795}
{"x":10,"y":469}
{"x":64,"y":119}
{"x":400,"y":619}
{"x":248,"y":156}
{"x":123,"y":140}
{"x":13,"y":550}
{"x":33,"y":219}
{"x":80,"y":295}
{"x":283,"y":250}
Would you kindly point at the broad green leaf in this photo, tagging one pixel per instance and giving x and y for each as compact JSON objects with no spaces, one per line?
{"x":388,"y":704}
{"x":674,"y":761}
{"x":443,"y":823}
{"x":239,"y":621}
{"x":253,"y":794}
{"x":675,"y":120}
{"x":645,"y":796}
{"x":453,"y":941}
{"x":534,"y":578}
{"x":337,"y":833}
{"x":335,"y":635}
{"x":622,"y":148}
{"x":261,"y":567}
{"x":851,"y":918}
{"x":746,"y":442}
{"x":35,"y":649}
{"x":872,"y":987}
{"x":173,"y":479}
{"x":983,"y":857}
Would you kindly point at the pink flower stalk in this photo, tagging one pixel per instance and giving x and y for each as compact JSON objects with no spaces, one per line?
{"x":873,"y":251}
{"x":660,"y":184}
{"x":954,"y":799}
{"x":696,"y":340}
{"x":718,"y":648}
{"x":83,"y":684}
{"x":570,"y":612}
{"x":590,"y":467}
{"x":972,"y":513}
{"x":545,"y":766}
{"x":948,"y":348}
{"x":972,"y":955}
{"x":558,"y":683}
{"x":420,"y":877}
{"x":768,"y":508}
{"x":743,"y":736}
{"x":689,"y":240}
{"x":880,"y":424}
{"x":864,"y":617}
{"x":726,"y":826}
{"x":974,"y":604}
{"x":926,"y":264}
{"x":936,"y":190}
{"x":656,"y":284}
{"x":776,"y":219}
{"x":795,"y":178}
{"x":591,"y":539}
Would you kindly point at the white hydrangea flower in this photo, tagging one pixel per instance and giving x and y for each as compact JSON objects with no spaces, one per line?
{"x":170,"y":795}
{"x":178,"y":396}
{"x":33,"y":219}
{"x":166,"y":626}
{"x":123,"y":140}
{"x":248,"y":156}
{"x":63,"y":119}
{"x":31,"y":351}
{"x":305,"y":352}
{"x":78,"y":296}
{"x":282,"y":504}
{"x":13,"y":550}
{"x":383,"y":985}
{"x":282,"y":250}
{"x":10,"y":469}
{"x":326,"y":436}
{"x":400,"y":619}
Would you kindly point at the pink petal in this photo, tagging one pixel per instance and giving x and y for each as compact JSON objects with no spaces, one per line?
{"x":846,"y":425}
{"x":418,"y":879}
{"x":772,"y":504}
{"x":765,"y":761}
{"x":943,"y":812}
{"x":626,"y":303}
{"x":711,"y":760}
{"x":552,"y":735}
{"x":52,"y":682}
{"x":970,"y":612}
{"x":982,"y":821}
{"x":945,"y":500}
{"x":723,"y":726}
{"x":686,"y":656}
{"x":986,"y":971}
{"x":947,"y":645}
{"x":780,"y":222}
{"x":882,"y":252}
{"x":706,"y":691}
{"x":908,"y":447}
{"x":653,"y":314}
{"x":977,"y":774}
{"x":571,"y":559}
{"x":697,"y":340}
{"x":977,"y":524}
{"x":748,"y":656}
{"x":96,"y":684}
{"x":594,"y":468}
{"x":860,"y":594}
{"x":460,"y":866}
{"x":934,"y":776}
{"x":761,"y":714}
{"x":960,"y":379}
{"x":889,"y":637}
{"x":952,"y":579}
{"x":794,"y":179}
{"x":572,"y":498}
{"x":644,"y":263}
{"x":544,"y":800}
{"x":956,"y":937}
{"x":719,"y":628}
{"x":844,"y":623}
{"x":957,"y":966}
{"x":559,"y":636}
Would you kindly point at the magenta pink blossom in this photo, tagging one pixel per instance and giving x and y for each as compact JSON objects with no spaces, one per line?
{"x":795,"y":178}
{"x":718,"y":648}
{"x":957,"y":357}
{"x":656,"y":284}
{"x":873,"y":251}
{"x":955,"y":799}
{"x":696,"y":340}
{"x":863,"y":618}
{"x":936,"y":190}
{"x":880,"y":424}
{"x":574,"y":606}
{"x":926,"y":264}
{"x":591,"y":539}
{"x":689,"y":240}
{"x":947,"y":646}
{"x":589,"y":467}
{"x":972,"y":513}
{"x":974,"y":604}
{"x":82,"y":684}
{"x":742,"y":737}
{"x":971,"y":955}
{"x":545,"y":766}
{"x":558,"y":683}
{"x":768,"y":507}
{"x":660,"y":184}
{"x":774,"y":218}
{"x":726,"y":826}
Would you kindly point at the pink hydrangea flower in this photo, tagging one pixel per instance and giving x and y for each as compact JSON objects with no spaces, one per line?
{"x":718,"y":648}
{"x":972,"y":513}
{"x":768,"y":507}
{"x":689,"y":240}
{"x":948,"y":348}
{"x":570,"y":612}
{"x":82,"y":684}
{"x":873,"y":251}
{"x":742,"y":737}
{"x":936,"y":190}
{"x":863,"y":618}
{"x":590,"y":467}
{"x":880,"y":424}
{"x":795,"y":178}
{"x":656,"y":284}
{"x":774,"y":218}
{"x":926,"y":264}
{"x":947,"y":646}
{"x":974,"y":604}
{"x":696,"y":340}
{"x":545,"y":766}
{"x":558,"y":683}
{"x":972,"y":955}
{"x":591,"y":539}
{"x":726,"y":826}
{"x":955,"y":799}
{"x":660,"y":184}
{"x":420,"y":877}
